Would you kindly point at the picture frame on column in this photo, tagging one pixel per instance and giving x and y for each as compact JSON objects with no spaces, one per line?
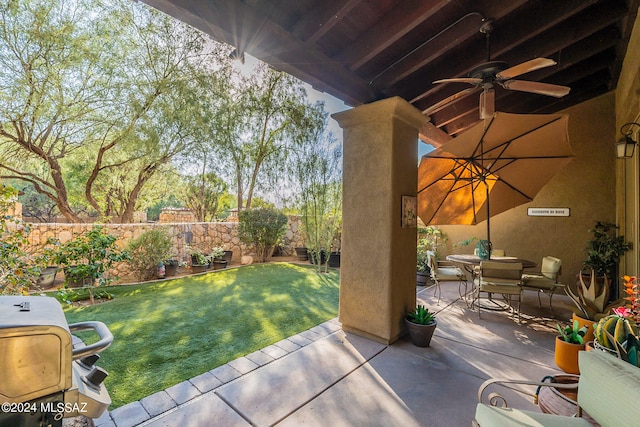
{"x":409,"y":212}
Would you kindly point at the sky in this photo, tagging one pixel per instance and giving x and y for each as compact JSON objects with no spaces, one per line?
{"x":331,"y":103}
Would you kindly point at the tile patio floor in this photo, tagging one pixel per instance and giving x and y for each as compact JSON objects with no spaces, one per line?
{"x":324,"y":377}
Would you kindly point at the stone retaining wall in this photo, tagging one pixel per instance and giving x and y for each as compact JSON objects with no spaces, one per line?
{"x":201,"y":235}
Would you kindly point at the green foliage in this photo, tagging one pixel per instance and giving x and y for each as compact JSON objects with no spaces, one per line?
{"x":316,"y":166}
{"x":429,"y":239}
{"x":572,"y":334}
{"x":19,"y":269}
{"x":203,"y":194}
{"x":217,"y":253}
{"x":153,"y":212}
{"x":605,"y":249}
{"x":93,"y":253}
{"x":103,"y":95}
{"x":148,"y":250}
{"x":197,"y":256}
{"x":262,"y":229}
{"x":421,"y":315}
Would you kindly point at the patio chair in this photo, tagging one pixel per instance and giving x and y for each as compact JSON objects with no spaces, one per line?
{"x":442,"y":271}
{"x":502,"y":278}
{"x":546,"y":281}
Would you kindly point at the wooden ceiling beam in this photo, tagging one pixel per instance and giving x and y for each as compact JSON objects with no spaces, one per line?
{"x":403,"y":19}
{"x":450,"y":38}
{"x":524,"y":27}
{"x":322,"y":18}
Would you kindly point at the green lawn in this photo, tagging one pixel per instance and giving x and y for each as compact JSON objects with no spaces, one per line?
{"x":167,"y":332}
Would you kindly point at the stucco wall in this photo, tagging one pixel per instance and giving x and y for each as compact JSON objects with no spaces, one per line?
{"x":586,"y":186}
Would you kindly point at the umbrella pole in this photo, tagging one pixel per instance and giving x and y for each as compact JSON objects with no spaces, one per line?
{"x":489,"y":246}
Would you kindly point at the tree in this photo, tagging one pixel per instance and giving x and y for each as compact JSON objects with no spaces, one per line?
{"x":316,"y":166}
{"x":262,"y":229}
{"x":92,"y":89}
{"x":258,"y":124}
{"x":202,"y":195}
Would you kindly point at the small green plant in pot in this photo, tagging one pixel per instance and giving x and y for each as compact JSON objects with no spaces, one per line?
{"x":568,"y":344}
{"x":421,"y":324}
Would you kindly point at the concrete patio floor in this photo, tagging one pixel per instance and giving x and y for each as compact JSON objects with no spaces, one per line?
{"x":324,"y":377}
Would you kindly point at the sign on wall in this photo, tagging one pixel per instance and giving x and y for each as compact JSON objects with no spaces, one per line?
{"x":548,"y":211}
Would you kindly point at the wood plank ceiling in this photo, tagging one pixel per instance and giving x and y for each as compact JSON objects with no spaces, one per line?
{"x":365,"y":50}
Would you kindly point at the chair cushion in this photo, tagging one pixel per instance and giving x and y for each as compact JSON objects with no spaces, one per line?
{"x":538,"y":281}
{"x":490,"y":416}
{"x":449,"y":273}
{"x":609,"y":388}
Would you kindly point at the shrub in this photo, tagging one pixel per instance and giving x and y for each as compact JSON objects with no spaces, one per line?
{"x":19,"y":269}
{"x":262,"y":229}
{"x":148,"y":250}
{"x":92,"y":253}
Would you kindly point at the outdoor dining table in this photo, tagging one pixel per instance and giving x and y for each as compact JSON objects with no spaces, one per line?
{"x":470,"y":262}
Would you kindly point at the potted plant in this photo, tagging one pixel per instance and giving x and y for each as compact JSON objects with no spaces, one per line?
{"x":614,"y":331}
{"x":199,"y":261}
{"x":568,"y":344}
{"x":421,"y":324}
{"x":591,"y":291}
{"x":430,"y":239}
{"x":86,"y":258}
{"x":216,"y":256}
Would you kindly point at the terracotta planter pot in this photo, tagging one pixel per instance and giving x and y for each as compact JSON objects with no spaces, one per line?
{"x":566,"y":356}
{"x":421,"y":334}
{"x":584,"y":322}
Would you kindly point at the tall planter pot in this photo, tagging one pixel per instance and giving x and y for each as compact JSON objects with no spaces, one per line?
{"x":219,"y":264}
{"x":228,"y":255}
{"x":421,"y":335}
{"x":47,"y":277}
{"x":302,"y":254}
{"x":421,"y":278}
{"x":170,"y":270}
{"x":334,"y":259}
{"x":566,"y":356}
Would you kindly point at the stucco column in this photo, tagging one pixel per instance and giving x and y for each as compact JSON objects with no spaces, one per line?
{"x":378,"y":260}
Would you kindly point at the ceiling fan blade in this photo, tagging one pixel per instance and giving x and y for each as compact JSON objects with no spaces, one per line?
{"x":435,"y":107}
{"x":470,"y":80}
{"x":525,"y":67}
{"x":536,"y":87}
{"x":487,"y":103}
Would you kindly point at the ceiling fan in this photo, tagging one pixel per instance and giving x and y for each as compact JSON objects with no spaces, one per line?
{"x":487,"y":74}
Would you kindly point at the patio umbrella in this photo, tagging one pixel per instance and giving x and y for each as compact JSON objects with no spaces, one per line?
{"x":498,"y":164}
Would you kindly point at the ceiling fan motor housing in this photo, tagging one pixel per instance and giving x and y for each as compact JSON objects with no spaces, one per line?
{"x":488,"y":70}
